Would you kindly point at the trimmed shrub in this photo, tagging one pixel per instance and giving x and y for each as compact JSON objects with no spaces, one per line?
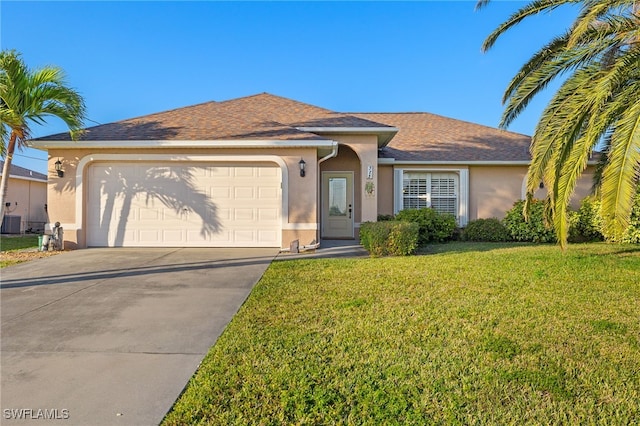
{"x":389,"y":238}
{"x":632,"y":234}
{"x":586,"y":223}
{"x":433,"y":226}
{"x":491,"y":230}
{"x":534,"y":230}
{"x":385,"y":217}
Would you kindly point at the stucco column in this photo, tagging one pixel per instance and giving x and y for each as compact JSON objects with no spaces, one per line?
{"x":366,"y":147}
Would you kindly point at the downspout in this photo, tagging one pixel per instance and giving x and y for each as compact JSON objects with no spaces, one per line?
{"x":333,"y":153}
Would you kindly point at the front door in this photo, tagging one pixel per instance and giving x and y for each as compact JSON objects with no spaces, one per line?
{"x":337,"y":205}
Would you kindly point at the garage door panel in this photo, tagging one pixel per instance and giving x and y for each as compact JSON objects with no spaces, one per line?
{"x":266,"y":235}
{"x":243,"y":193}
{"x":268,"y":215}
{"x":141,"y":204}
{"x":267,"y":172}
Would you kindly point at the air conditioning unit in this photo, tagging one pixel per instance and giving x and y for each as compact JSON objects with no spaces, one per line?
{"x":11,"y":225}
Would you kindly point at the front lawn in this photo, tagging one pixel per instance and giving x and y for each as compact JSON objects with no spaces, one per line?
{"x":18,"y":242}
{"x":9,"y":244}
{"x":465,"y":334}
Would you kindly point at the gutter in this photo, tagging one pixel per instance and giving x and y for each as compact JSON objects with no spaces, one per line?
{"x":137,"y":144}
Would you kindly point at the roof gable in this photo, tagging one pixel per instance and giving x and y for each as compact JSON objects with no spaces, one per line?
{"x":413,"y":136}
{"x":262,"y":116}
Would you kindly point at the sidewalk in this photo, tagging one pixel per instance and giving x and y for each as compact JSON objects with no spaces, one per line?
{"x":329,"y":249}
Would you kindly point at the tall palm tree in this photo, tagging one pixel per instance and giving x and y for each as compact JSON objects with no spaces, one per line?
{"x":27,"y":97}
{"x":597,"y":107}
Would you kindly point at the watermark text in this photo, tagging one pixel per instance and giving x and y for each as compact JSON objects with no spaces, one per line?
{"x":35,"y":414}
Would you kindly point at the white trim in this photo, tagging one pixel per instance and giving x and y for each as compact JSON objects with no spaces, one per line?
{"x":395,"y":162}
{"x":456,"y":163}
{"x":31,"y":179}
{"x":86,"y":161}
{"x":463,"y":189}
{"x":319,"y":143}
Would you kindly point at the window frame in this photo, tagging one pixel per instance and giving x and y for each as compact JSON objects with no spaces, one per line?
{"x":462,"y":216}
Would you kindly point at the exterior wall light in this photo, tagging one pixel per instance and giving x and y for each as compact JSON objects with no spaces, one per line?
{"x":302,"y":165}
{"x":59,"y":170}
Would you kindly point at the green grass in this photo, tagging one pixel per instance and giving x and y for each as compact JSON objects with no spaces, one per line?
{"x":466,"y":334}
{"x":18,"y":242}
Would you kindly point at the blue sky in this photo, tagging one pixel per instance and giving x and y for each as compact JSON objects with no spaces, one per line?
{"x":134,"y":58}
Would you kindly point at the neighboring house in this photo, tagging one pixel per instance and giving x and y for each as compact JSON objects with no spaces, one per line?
{"x":228,"y":174}
{"x":26,"y":200}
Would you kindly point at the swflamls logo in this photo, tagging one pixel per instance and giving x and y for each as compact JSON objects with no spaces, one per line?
{"x":35,"y":414}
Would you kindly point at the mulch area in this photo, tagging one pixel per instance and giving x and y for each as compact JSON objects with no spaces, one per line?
{"x":19,"y":256}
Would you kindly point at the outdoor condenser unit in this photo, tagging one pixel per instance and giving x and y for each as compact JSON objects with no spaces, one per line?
{"x":11,"y":225}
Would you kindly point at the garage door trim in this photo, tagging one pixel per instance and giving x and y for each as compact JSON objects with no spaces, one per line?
{"x":81,"y":191}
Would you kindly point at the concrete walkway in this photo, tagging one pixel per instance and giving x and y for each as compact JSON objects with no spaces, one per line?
{"x":112,"y":336}
{"x":329,"y":249}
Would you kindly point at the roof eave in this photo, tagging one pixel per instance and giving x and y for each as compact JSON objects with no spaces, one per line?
{"x":394,"y":162}
{"x":137,"y":144}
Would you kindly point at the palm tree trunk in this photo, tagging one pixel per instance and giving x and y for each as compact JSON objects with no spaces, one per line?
{"x":5,"y":173}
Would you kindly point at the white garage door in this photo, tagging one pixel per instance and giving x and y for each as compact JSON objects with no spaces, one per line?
{"x":184,"y":205}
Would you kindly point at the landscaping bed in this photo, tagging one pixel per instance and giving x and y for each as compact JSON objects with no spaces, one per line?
{"x":462,"y":334}
{"x":21,"y":248}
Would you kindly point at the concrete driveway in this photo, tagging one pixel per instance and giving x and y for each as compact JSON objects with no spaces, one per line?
{"x":111,"y":336}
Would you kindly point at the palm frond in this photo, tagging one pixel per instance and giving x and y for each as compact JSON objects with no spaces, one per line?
{"x":530,"y":9}
{"x":621,"y":173}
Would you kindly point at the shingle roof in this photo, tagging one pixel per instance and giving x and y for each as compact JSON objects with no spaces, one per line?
{"x":262,"y":116}
{"x":21,"y":172}
{"x":430,"y":137}
{"x":421,"y":136}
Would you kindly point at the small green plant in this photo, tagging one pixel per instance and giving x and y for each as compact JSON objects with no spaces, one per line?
{"x":389,"y":238}
{"x":532,"y":230}
{"x":491,"y":230}
{"x":434,"y":227}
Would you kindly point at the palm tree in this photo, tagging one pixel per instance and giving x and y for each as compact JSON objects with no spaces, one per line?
{"x":596,"y":108}
{"x":27,"y":97}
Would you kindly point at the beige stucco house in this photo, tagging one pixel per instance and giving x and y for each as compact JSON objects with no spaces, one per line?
{"x":265,"y":170}
{"x":26,"y":209}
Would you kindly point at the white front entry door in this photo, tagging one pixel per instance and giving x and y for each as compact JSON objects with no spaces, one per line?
{"x":337,"y":205}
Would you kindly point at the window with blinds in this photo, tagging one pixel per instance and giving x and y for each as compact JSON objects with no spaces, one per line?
{"x":436,"y":190}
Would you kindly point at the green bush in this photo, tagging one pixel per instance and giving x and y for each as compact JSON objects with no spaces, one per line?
{"x":632,"y":234}
{"x":389,"y":238}
{"x":491,"y":230}
{"x":385,"y":217}
{"x":532,"y":230}
{"x":586,"y":223}
{"x":433,"y":226}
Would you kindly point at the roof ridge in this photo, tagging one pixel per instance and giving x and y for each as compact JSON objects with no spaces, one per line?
{"x":446,"y":118}
{"x":255,"y":95}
